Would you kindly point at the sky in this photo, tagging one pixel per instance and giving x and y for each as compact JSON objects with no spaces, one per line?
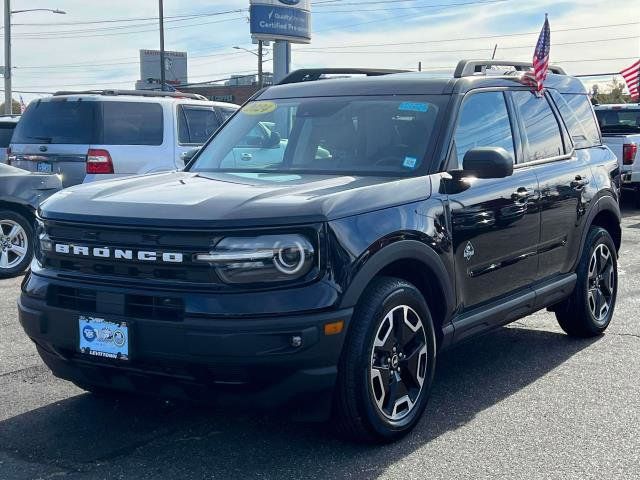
{"x":54,"y":52}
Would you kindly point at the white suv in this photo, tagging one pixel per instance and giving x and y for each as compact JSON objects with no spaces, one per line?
{"x":97,"y":135}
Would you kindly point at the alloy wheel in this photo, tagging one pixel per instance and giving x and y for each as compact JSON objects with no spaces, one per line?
{"x":398,"y":363}
{"x":601,"y":283}
{"x":14,"y":244}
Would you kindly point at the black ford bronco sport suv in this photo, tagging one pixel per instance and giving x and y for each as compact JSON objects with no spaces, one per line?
{"x":330,"y":240}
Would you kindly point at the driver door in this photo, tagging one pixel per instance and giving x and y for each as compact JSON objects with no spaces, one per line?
{"x":495,"y":222}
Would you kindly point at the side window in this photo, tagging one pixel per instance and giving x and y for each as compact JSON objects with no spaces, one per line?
{"x":578,"y":115}
{"x":541,"y":128}
{"x":483,"y":122}
{"x":132,"y":123}
{"x":196,"y":124}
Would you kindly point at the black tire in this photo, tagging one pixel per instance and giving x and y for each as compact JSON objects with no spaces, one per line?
{"x":27,"y":227}
{"x":356,"y":410}
{"x":575,"y":315}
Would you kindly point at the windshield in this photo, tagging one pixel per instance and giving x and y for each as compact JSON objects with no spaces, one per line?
{"x":57,"y":121}
{"x":360,"y":135}
{"x":619,"y":121}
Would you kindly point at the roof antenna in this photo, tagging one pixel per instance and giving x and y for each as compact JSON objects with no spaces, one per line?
{"x":494,"y":52}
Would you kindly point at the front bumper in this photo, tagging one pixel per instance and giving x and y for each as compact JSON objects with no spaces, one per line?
{"x":225,"y":361}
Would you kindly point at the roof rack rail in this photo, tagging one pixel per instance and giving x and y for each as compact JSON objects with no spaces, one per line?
{"x":311,"y":74}
{"x":467,"y":68}
{"x":137,"y":93}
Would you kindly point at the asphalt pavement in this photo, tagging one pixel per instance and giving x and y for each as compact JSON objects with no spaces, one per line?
{"x":523,"y":402}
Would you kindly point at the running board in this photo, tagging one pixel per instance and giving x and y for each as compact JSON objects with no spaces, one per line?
{"x":513,"y":307}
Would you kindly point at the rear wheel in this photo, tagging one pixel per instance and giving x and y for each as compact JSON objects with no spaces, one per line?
{"x":588,"y":311}
{"x":16,"y":243}
{"x":387,"y":367}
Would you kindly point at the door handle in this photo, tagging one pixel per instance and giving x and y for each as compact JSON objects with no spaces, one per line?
{"x":521,"y":193}
{"x":579,"y":182}
{"x":246,"y":156}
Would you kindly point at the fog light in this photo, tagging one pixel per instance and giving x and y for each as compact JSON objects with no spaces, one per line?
{"x":296,"y":341}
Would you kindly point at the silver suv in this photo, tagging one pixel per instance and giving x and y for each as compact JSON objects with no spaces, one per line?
{"x":97,"y":135}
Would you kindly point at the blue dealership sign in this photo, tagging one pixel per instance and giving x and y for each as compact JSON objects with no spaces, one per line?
{"x":287,"y":21}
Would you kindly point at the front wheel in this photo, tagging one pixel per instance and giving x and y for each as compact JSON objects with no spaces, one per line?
{"x":387,"y":366}
{"x":588,"y":311}
{"x":16,"y":243}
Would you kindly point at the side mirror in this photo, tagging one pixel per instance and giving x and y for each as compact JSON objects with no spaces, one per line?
{"x":189,"y":154}
{"x":488,"y":162}
{"x":272,"y":141}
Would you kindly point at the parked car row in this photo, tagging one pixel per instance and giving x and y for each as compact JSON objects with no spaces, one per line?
{"x":73,"y":138}
{"x":620,"y":126}
{"x":99,"y":135}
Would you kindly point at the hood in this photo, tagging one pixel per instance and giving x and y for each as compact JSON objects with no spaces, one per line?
{"x":186,"y":199}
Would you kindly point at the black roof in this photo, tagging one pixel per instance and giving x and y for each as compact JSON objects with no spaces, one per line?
{"x":381,"y":82}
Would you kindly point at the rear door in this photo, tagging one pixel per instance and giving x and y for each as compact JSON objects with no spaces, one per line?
{"x":54,"y":136}
{"x":566,"y":181}
{"x":495,"y":222}
{"x":196,"y":123}
{"x":134,"y":134}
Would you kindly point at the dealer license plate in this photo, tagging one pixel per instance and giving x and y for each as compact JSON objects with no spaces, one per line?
{"x":104,"y":338}
{"x":44,"y":167}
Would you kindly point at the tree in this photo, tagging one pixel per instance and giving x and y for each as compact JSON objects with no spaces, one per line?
{"x":15,"y":106}
{"x":615,"y":93}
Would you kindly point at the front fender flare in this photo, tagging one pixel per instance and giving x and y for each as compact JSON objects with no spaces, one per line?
{"x":400,"y":250}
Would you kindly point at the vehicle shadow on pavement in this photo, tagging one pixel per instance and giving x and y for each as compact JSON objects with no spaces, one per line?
{"x":137,"y":438}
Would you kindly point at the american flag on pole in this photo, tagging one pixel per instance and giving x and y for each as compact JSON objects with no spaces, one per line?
{"x":541,"y":55}
{"x":23,"y":106}
{"x":632,"y":77}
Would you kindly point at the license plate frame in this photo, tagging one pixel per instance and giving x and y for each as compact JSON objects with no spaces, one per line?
{"x":44,"y":167}
{"x":104,"y":338}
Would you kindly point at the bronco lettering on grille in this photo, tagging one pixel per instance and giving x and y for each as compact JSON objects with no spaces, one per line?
{"x":118,"y":253}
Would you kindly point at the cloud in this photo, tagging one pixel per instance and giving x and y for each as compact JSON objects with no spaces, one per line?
{"x":357,"y":36}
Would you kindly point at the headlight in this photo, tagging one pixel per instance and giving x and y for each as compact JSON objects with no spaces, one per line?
{"x":266,"y":258}
{"x":45,"y":242}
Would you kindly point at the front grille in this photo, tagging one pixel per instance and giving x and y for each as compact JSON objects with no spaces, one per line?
{"x":78,"y":299}
{"x":161,"y":241}
{"x":86,"y":300}
{"x":157,"y":308}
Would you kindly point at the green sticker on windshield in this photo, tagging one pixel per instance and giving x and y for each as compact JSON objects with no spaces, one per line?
{"x":259,"y":108}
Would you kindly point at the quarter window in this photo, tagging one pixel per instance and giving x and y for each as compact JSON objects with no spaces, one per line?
{"x":578,"y":115}
{"x":132,"y":123}
{"x":483,"y":122}
{"x":541,"y":129}
{"x":196,"y":124}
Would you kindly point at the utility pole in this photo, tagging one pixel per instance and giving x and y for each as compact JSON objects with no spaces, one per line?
{"x":260,"y":79}
{"x":8,"y":101}
{"x":162,"y":66}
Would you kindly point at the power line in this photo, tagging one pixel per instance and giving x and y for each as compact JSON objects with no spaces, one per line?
{"x":411,"y":7}
{"x":124,"y":82}
{"x":53,"y":36}
{"x":320,"y":50}
{"x":132,"y":19}
{"x":482,"y":37}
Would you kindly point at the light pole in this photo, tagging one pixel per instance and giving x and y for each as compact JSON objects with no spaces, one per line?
{"x":260,"y":60}
{"x":162,"y":65}
{"x":8,"y":101}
